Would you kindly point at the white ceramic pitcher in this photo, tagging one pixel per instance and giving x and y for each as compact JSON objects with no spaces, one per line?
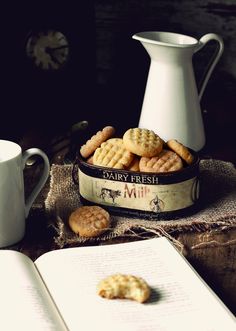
{"x":171,"y":104}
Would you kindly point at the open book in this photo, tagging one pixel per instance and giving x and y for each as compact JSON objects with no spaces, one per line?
{"x":58,"y":291}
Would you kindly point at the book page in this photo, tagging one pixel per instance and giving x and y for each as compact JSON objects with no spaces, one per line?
{"x":25,"y":303}
{"x":179,"y":300}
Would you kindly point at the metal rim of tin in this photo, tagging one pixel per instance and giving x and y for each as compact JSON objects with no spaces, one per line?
{"x":179,"y":175}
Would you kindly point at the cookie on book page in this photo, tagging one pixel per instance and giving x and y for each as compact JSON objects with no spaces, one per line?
{"x":89,"y":221}
{"x":142,"y":142}
{"x":124,"y":287}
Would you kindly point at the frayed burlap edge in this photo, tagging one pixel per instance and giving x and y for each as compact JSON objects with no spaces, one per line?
{"x":217,"y":213}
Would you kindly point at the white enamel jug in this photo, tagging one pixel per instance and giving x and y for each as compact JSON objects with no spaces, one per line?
{"x":171,"y":104}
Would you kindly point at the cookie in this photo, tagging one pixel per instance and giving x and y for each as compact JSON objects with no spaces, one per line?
{"x":166,"y":161}
{"x":181,"y":150}
{"x":96,"y":140}
{"x":124,"y":287}
{"x":89,"y":221}
{"x":113,"y":154}
{"x":90,"y":160}
{"x":142,"y":142}
{"x":134,"y":165}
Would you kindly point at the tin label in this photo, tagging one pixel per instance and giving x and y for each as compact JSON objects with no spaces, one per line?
{"x":139,"y":196}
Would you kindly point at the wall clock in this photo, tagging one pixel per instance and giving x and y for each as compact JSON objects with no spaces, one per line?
{"x":48,"y":49}
{"x":47,"y":72}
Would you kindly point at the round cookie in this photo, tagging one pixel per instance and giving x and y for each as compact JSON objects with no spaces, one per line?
{"x":166,"y":161}
{"x":112,"y":154}
{"x":96,"y":140}
{"x":181,"y":150}
{"x":142,"y":142}
{"x":89,"y":221}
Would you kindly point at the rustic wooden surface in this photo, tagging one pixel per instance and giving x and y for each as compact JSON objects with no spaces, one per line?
{"x":215,"y":262}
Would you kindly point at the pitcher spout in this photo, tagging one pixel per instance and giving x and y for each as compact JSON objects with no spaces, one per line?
{"x":166,"y":38}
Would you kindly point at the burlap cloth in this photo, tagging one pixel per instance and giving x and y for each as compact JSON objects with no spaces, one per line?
{"x":217,"y":208}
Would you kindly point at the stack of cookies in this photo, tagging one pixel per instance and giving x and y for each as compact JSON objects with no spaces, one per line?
{"x":138,"y":150}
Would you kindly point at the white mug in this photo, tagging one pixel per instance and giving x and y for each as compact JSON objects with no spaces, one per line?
{"x":13,"y":207}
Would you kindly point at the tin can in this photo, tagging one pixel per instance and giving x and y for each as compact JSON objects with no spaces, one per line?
{"x":139,"y":194}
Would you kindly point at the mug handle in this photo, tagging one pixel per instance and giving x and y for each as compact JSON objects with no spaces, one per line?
{"x":46,"y":170}
{"x":202,"y":42}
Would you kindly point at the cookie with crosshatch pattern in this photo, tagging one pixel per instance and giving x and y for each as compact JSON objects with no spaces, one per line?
{"x":113,"y":154}
{"x":142,"y":142}
{"x":89,"y":221}
{"x":164,"y":162}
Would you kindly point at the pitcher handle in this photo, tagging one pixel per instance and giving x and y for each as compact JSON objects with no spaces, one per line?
{"x":202,"y":42}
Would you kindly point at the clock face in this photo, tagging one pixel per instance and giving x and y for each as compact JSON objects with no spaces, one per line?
{"x":48,"y":50}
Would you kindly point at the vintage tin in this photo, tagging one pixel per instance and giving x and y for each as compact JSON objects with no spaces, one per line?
{"x":139,"y":194}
